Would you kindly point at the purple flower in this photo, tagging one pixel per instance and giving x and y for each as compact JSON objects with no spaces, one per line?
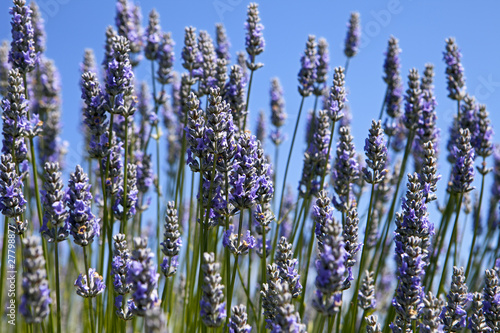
{"x":36,"y":299}
{"x":223,"y":44}
{"x":38,"y":25}
{"x":309,"y":62}
{"x":278,"y":113}
{"x":91,"y":288}
{"x":55,"y":226}
{"x":12,"y":202}
{"x":392,"y":63}
{"x":238,"y":322}
{"x":376,"y":154}
{"x":23,"y":54}
{"x":128,"y":23}
{"x":126,"y":207}
{"x":234,"y":94}
{"x":288,"y":267}
{"x":454,"y":70}
{"x":5,"y":67}
{"x":143,"y":277}
{"x":322,"y":68}
{"x":172,"y":240}
{"x":243,"y":179}
{"x":84,"y":225}
{"x":353,"y":38}
{"x":413,"y":101}
{"x":412,"y":238}
{"x":238,"y":244}
{"x":152,"y":36}
{"x":261,"y":128}
{"x":190,"y":51}
{"x":462,"y":174}
{"x":120,"y":265}
{"x":454,"y":316}
{"x":169,"y":266}
{"x":208,"y":66}
{"x":491,"y":303}
{"x":165,"y":59}
{"x":212,"y":305}
{"x":345,"y":169}
{"x":145,"y":173}
{"x":337,"y":97}
{"x":254,"y":39}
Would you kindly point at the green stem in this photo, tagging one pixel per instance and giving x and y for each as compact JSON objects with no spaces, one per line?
{"x":290,"y":154}
{"x":123,"y":226}
{"x":383,"y":103}
{"x":476,"y":226}
{"x":443,"y":275}
{"x":248,"y":96}
{"x":58,"y":289}
{"x":89,"y":287}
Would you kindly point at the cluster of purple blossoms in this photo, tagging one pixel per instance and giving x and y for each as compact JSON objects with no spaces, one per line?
{"x":412,"y":238}
{"x":12,"y":202}
{"x":376,"y":154}
{"x":261,"y":127}
{"x":279,"y":311}
{"x":454,"y":316}
{"x":482,"y":141}
{"x":491,"y":303}
{"x":119,"y":79}
{"x":430,"y":312}
{"x":462,"y":174}
{"x":89,"y":284}
{"x":454,"y":71}
{"x":172,"y":241}
{"x":190,"y":53}
{"x":237,"y":244}
{"x":366,"y":294}
{"x":143,"y":278}
{"x":353,"y":38}
{"x":243,"y":178}
{"x":278,"y":113}
{"x":392,"y":66}
{"x":5,"y":67}
{"x":37,"y":22}
{"x":222,"y":43}
{"x":56,"y":227}
{"x":47,"y":105}
{"x":428,"y":173}
{"x":308,"y":70}
{"x":23,"y":54}
{"x":315,"y":158}
{"x":145,"y":173}
{"x":331,"y":262}
{"x":288,"y":266}
{"x":234,"y":94}
{"x":238,"y":321}
{"x":166,"y":59}
{"x":413,"y":101}
{"x":208,"y":69}
{"x":427,"y":130}
{"x":152,"y":36}
{"x":119,"y":270}
{"x":108,"y":48}
{"x":115,"y":173}
{"x":254,"y":39}
{"x":78,"y":199}
{"x":352,"y":247}
{"x":125,"y":205}
{"x":15,"y":119}
{"x":337,"y":97}
{"x":212,"y":305}
{"x":322,"y":67}
{"x":35,"y":300}
{"x":128,"y":23}
{"x":345,"y":170}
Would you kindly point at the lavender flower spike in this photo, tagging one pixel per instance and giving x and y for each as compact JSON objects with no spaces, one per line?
{"x":353,"y":38}
{"x":213,"y":307}
{"x":143,"y":278}
{"x":454,"y":315}
{"x":128,"y":25}
{"x":462,"y":174}
{"x":23,"y":55}
{"x":322,"y":68}
{"x":230,"y":240}
{"x":477,"y":322}
{"x":491,"y":303}
{"x":36,"y":294}
{"x":430,"y":313}
{"x":278,"y":113}
{"x":454,"y":71}
{"x":254,"y":39}
{"x":238,"y":322}
{"x":153,"y":36}
{"x":4,"y":68}
{"x":307,"y":74}
{"x":337,"y":97}
{"x":166,"y":59}
{"x":243,"y":179}
{"x":288,"y":267}
{"x":37,"y":23}
{"x":223,"y":44}
{"x":92,"y":288}
{"x":413,"y":101}
{"x":84,"y":225}
{"x":190,"y":51}
{"x":376,"y":153}
{"x":12,"y":202}
{"x":392,"y":66}
{"x":55,"y":226}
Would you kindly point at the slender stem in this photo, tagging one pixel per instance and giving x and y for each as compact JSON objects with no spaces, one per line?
{"x":347,"y":61}
{"x":89,"y":287}
{"x":248,"y":96}
{"x":443,"y":275}
{"x":476,"y":226}
{"x":290,"y":154}
{"x":383,"y":103}
{"x":323,"y":176}
{"x":125,"y":185}
{"x":58,"y":289}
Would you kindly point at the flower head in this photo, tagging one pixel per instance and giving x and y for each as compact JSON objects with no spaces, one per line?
{"x":91,"y":288}
{"x":23,"y":54}
{"x":454,"y":70}
{"x":213,"y":307}
{"x":353,"y":38}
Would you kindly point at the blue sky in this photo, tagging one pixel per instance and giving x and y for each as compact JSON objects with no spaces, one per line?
{"x":421,"y":27}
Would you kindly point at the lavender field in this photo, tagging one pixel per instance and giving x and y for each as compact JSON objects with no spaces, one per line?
{"x":180,"y":206}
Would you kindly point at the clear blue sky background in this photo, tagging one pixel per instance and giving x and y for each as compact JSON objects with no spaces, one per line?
{"x":421,"y":27}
